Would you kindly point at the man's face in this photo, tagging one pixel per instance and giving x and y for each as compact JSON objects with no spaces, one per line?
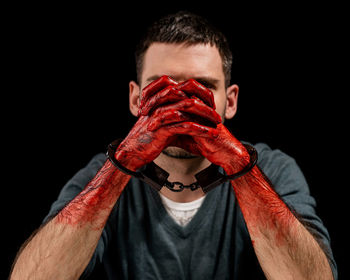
{"x":200,"y":62}
{"x":181,"y":62}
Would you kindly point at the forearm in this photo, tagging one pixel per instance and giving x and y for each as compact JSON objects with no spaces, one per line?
{"x":63,"y":247}
{"x":285,"y":249}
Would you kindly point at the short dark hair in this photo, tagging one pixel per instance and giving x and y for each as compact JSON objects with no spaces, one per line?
{"x":184,"y":27}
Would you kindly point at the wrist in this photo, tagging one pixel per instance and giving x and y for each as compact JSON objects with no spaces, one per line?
{"x":128,"y":161}
{"x":120,"y":157}
{"x":233,"y":155}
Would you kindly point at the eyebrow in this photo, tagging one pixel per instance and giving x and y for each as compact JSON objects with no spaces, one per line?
{"x":152,"y":78}
{"x":200,"y":79}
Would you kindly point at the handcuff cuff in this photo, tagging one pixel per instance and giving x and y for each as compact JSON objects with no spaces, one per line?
{"x":156,"y":177}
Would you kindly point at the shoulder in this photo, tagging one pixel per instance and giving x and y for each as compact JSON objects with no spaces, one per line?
{"x":270,"y":158}
{"x":282,"y":170}
{"x":96,"y":161}
{"x":89,"y":171}
{"x":76,"y":184}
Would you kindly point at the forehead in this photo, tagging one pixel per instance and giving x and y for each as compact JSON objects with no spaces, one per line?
{"x":182,"y":61}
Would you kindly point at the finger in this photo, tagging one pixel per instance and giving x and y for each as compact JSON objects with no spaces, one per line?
{"x":173,"y":116}
{"x":169,"y":94}
{"x":191,"y":129}
{"x":193,"y":87}
{"x":191,"y":106}
{"x":166,"y":118}
{"x":154,"y":87}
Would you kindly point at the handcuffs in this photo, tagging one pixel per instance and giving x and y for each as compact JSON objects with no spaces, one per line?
{"x":156,"y":177}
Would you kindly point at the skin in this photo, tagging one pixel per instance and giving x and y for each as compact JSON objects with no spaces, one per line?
{"x":285,"y":249}
{"x":63,"y":247}
{"x":181,"y":62}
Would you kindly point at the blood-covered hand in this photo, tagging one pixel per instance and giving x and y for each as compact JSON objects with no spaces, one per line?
{"x":165,"y":90}
{"x":224,"y":150}
{"x":169,"y":114}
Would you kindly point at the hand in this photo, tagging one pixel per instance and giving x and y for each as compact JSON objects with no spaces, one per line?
{"x":224,"y":150}
{"x":152,"y":95}
{"x":154,"y":132}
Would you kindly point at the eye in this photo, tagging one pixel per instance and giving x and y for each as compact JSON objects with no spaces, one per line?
{"x":206,"y":84}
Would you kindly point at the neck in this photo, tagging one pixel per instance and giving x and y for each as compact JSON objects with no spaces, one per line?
{"x":182,"y":170}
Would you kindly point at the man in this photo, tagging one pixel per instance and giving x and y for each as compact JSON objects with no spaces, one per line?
{"x":261,"y":224}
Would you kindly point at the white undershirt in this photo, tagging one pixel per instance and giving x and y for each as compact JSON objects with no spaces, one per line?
{"x":181,"y":212}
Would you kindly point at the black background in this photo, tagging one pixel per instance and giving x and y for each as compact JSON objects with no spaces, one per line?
{"x":66,"y":96}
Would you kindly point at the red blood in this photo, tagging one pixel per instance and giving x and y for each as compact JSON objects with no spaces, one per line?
{"x":263,"y":210}
{"x":93,"y":204}
{"x":192,"y":87}
{"x":155,"y":87}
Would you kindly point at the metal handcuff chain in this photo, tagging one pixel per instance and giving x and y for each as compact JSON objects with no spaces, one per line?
{"x":156,"y":177}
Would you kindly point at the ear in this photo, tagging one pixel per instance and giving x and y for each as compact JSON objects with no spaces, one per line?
{"x":231,"y":101}
{"x":134,"y":98}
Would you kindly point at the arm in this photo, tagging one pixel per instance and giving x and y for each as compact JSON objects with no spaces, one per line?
{"x":74,"y":232}
{"x":284,"y":247}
